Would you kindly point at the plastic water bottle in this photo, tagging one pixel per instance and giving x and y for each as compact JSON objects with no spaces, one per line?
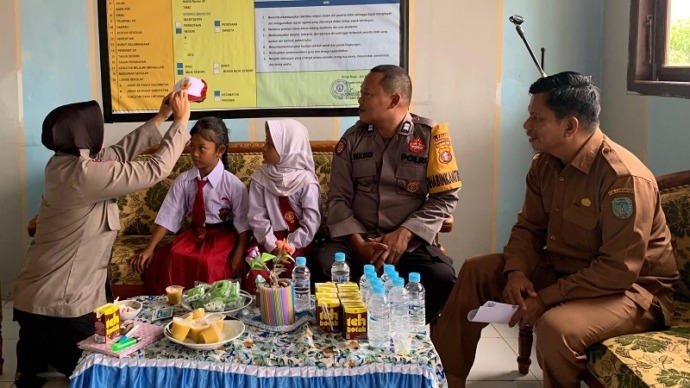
{"x":416,"y":293}
{"x":392,"y":275}
{"x":364,"y":283}
{"x":301,"y":279}
{"x":400,"y":312}
{"x":378,"y":319}
{"x":386,"y":269}
{"x":375,"y":282}
{"x":340,"y":271}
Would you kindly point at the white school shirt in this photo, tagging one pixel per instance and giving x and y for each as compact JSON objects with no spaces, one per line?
{"x":223,"y":191}
{"x":265,"y":216}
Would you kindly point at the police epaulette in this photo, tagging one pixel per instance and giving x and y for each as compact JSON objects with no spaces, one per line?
{"x":423,"y":120}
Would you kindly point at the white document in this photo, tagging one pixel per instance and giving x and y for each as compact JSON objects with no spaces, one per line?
{"x":493,"y":312}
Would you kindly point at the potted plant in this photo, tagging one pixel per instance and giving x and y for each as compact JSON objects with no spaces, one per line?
{"x":275,"y":296}
{"x":267,"y":267}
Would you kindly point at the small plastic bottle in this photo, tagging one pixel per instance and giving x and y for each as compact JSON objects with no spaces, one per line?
{"x":301,"y":280}
{"x":364,"y":283}
{"x":386,"y":269}
{"x":392,"y":275}
{"x":378,"y":318}
{"x":400,"y":307}
{"x":340,"y":271}
{"x":416,"y":295}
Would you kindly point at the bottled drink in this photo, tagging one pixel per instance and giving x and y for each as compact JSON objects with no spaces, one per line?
{"x":301,"y":280}
{"x":386,"y":269}
{"x":392,"y":275}
{"x":378,"y":318}
{"x":375,"y":282}
{"x":364,"y":283}
{"x":340,"y":271}
{"x":400,"y":311}
{"x":416,"y":293}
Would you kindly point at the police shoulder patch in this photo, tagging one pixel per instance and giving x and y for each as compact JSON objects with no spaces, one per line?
{"x":622,"y":207}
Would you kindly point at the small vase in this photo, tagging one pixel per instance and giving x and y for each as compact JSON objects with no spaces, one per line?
{"x":277,"y":303}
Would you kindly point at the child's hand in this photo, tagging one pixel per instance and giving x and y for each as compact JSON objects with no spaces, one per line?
{"x":141,"y":260}
{"x":237,"y":264}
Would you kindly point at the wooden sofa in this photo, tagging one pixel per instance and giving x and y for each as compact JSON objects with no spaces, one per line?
{"x":653,"y":359}
{"x":138,"y":210}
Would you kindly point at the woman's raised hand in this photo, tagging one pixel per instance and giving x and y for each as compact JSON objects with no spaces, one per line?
{"x":180,"y":106}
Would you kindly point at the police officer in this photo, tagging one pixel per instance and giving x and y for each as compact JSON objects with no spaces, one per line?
{"x":394,"y":180}
{"x":590,"y":256}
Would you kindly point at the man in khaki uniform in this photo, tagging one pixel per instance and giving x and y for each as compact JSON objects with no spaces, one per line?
{"x":62,"y":282}
{"x":590,"y":256}
{"x":394,"y":180}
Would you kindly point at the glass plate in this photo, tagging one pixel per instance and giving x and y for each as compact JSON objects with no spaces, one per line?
{"x":246,"y":300}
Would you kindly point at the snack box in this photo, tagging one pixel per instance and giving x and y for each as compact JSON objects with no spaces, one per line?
{"x":327,"y":286}
{"x":347,"y":286}
{"x":106,"y":323}
{"x":328,"y":315}
{"x":354,"y":321}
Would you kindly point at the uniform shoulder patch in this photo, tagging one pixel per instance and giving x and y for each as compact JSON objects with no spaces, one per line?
{"x":622,"y":207}
{"x":340,"y":147}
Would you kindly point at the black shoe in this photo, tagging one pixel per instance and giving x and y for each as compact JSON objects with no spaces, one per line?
{"x":28,"y":381}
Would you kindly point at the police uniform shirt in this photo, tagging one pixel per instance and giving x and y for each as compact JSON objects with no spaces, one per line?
{"x":600,"y":221}
{"x":377,"y":186}
{"x":68,"y":258}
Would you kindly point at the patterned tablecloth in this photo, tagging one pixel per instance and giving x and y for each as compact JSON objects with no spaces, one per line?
{"x":263,"y":358}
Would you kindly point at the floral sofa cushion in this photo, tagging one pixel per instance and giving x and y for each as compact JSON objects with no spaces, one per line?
{"x":138,"y":212}
{"x":654,"y":359}
{"x":662,"y":358}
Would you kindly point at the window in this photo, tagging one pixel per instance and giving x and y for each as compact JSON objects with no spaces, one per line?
{"x":659,"y":49}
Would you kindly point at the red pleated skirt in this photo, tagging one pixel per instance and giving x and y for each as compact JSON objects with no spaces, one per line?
{"x":187,"y":260}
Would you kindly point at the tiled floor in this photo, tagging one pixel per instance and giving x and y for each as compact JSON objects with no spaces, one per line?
{"x":495,"y":366}
{"x":10,"y":334}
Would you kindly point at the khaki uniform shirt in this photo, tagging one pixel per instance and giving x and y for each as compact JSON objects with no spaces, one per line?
{"x":377,"y":187}
{"x":598,"y":222}
{"x":79,"y":218}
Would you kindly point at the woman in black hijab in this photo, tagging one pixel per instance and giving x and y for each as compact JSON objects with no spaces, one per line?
{"x":78,"y":219}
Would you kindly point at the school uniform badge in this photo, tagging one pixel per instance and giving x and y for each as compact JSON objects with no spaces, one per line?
{"x":622,"y":207}
{"x":289,"y":216}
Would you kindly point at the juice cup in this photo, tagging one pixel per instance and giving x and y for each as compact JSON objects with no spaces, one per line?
{"x":180,"y":328}
{"x":174,"y":294}
{"x":198,"y":325}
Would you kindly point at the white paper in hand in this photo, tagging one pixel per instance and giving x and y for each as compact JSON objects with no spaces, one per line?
{"x":493,"y":312}
{"x":195,"y":88}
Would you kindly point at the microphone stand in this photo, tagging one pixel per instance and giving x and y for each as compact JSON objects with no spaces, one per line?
{"x":518,"y":20}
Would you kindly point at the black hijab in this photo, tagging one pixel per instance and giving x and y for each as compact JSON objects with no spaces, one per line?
{"x":72,"y":127}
